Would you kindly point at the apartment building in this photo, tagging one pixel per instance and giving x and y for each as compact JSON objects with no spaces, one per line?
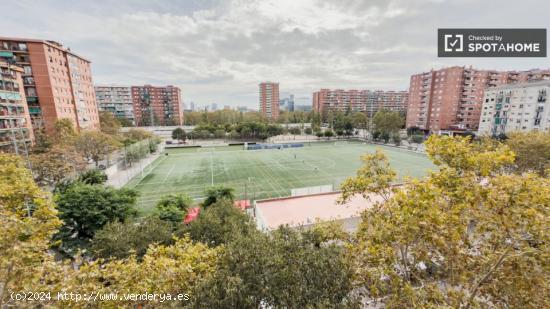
{"x":15,"y":124}
{"x":116,"y":100}
{"x":368,"y":101}
{"x":515,"y":107}
{"x":157,"y":106}
{"x":269,"y":100}
{"x":451,"y":98}
{"x":57,"y":83}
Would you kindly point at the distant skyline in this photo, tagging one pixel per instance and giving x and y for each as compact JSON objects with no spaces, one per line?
{"x":218,"y":51}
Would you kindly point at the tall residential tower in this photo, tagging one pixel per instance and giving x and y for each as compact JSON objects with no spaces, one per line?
{"x":269,"y":100}
{"x":157,"y":106}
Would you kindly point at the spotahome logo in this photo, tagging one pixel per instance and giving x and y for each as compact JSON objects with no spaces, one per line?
{"x":491,"y":42}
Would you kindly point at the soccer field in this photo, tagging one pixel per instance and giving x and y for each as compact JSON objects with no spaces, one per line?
{"x":257,"y":174}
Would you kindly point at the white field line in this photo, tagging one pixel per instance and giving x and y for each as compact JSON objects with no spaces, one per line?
{"x":169,"y":173}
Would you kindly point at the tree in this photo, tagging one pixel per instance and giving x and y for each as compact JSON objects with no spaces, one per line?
{"x":173,"y":207}
{"x":278,"y":270}
{"x":27,"y":222}
{"x":56,"y":164}
{"x":93,"y":177}
{"x":396,"y":137}
{"x":360,"y":121}
{"x":42,"y":142}
{"x":109,"y":124}
{"x":26,"y":263}
{"x":125,"y":122}
{"x":387,"y":123}
{"x":329,"y":133}
{"x":532,"y":152}
{"x":119,"y":239}
{"x":417,"y":139}
{"x":308,"y":131}
{"x":136,"y":135}
{"x":295,"y":131}
{"x":217,"y":193}
{"x":85,"y":209}
{"x":466,"y":236}
{"x":179,"y":134}
{"x":95,"y":145}
{"x":64,"y":132}
{"x":219,"y":224}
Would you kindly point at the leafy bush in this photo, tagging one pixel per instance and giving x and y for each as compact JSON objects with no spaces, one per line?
{"x":173,"y":207}
{"x":417,"y":139}
{"x":117,"y":239}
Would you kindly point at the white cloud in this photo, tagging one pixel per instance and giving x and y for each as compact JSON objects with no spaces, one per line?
{"x":218,"y":51}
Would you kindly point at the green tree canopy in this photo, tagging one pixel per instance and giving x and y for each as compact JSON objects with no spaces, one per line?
{"x":219,"y":224}
{"x":387,"y":122}
{"x":173,"y":207}
{"x":93,"y":177}
{"x":280,"y":270}
{"x":109,"y":124}
{"x":217,"y":193}
{"x":86,"y":208}
{"x":179,"y":134}
{"x":469,"y":235}
{"x":95,"y":145}
{"x":532,"y":152}
{"x":119,"y":239}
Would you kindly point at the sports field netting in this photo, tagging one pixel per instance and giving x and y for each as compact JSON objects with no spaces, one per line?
{"x":262,"y":173}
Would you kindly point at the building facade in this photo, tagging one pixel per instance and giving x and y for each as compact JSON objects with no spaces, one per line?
{"x":117,"y":100}
{"x":368,"y":101}
{"x":517,"y":107}
{"x":287,"y":104}
{"x":57,"y":83}
{"x":16,"y":132}
{"x":451,"y":98}
{"x":269,"y":100}
{"x":157,"y":106}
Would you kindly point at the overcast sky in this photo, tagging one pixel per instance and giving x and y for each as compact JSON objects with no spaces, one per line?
{"x":218,"y":51}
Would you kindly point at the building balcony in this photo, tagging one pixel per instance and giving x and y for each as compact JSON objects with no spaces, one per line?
{"x":35,"y":110}
{"x":10,"y":95}
{"x":32,"y":99}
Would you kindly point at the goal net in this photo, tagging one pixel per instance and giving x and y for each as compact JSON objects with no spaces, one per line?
{"x":338,"y":143}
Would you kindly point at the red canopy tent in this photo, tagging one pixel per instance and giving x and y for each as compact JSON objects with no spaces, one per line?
{"x":192,"y":214}
{"x":242,"y":204}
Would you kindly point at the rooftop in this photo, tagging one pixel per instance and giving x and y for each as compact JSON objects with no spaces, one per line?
{"x":521,"y":85}
{"x":46,"y":42}
{"x":307,"y":209}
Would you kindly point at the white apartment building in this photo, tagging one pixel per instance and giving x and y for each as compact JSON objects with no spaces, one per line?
{"x":117,"y":100}
{"x":515,"y":107}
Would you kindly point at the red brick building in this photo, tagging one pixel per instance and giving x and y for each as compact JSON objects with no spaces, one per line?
{"x":269,"y":100}
{"x":359,"y":100}
{"x":157,"y":106}
{"x":58,"y":83}
{"x":451,"y":98}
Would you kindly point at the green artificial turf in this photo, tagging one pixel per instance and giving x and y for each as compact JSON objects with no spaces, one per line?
{"x":262,"y":173}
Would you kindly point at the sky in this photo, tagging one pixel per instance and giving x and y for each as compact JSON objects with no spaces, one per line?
{"x":218,"y":51}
